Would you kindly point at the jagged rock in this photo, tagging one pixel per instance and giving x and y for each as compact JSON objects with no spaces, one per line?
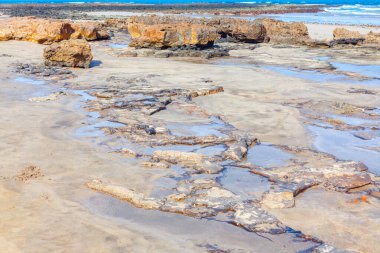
{"x":281,"y":32}
{"x":162,"y":32}
{"x":47,"y":31}
{"x":188,"y":159}
{"x":282,"y":199}
{"x":136,"y":199}
{"x":341,"y":176}
{"x":240,"y":30}
{"x":41,"y":70}
{"x":238,"y":150}
{"x":254,"y":219}
{"x":69,"y":53}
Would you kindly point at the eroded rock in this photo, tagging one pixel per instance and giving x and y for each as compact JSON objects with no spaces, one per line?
{"x":48,"y":31}
{"x":136,"y":199}
{"x":188,"y":159}
{"x":161,"y":32}
{"x":280,"y":32}
{"x":69,"y":53}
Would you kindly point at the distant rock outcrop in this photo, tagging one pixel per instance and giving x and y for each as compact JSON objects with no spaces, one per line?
{"x":69,"y":53}
{"x":48,"y":31}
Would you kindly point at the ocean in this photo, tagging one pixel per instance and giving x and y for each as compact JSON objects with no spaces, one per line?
{"x":344,"y":15}
{"x":347,"y":12}
{"x":326,"y":2}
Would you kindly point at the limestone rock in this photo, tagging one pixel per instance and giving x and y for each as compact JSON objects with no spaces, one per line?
{"x":282,"y":199}
{"x":240,"y":30}
{"x":69,"y":53}
{"x":285,"y":32}
{"x":161,"y":32}
{"x":135,"y":198}
{"x":254,"y":219}
{"x":343,"y":33}
{"x":187,"y":159}
{"x":42,"y":31}
{"x":48,"y":31}
{"x":89,"y":31}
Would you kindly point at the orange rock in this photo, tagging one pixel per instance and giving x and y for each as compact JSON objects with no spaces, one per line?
{"x":372,"y":38}
{"x":69,"y":53}
{"x":47,"y":31}
{"x":89,"y":31}
{"x":153,"y":31}
{"x":343,"y":33}
{"x":285,"y":32}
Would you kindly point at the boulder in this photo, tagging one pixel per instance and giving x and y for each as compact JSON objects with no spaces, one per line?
{"x":164,"y":32}
{"x":281,"y":32}
{"x":48,"y":31}
{"x":69,"y":53}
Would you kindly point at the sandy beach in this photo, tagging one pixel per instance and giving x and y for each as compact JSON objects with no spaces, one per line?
{"x":269,"y":146}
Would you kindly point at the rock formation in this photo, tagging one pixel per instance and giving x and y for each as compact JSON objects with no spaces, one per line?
{"x":47,"y":31}
{"x":343,"y":33}
{"x":69,"y":53}
{"x":281,"y":32}
{"x":89,"y":31}
{"x":155,"y":31}
{"x":163,"y":32}
{"x":345,"y":36}
{"x":240,"y":30}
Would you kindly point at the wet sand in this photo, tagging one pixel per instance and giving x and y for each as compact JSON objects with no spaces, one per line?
{"x":286,"y":97}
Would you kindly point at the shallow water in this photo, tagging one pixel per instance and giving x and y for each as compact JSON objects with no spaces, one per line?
{"x":85,"y":95}
{"x":346,"y":146}
{"x":244,"y":183}
{"x":95,"y":130}
{"x":365,"y":70}
{"x":191,"y":230}
{"x":267,"y":156}
{"x":119,"y":45}
{"x":43,"y":90}
{"x":320,"y":77}
{"x":212,"y":128}
{"x":355,"y":121}
{"x":29,"y":81}
{"x":182,"y":148}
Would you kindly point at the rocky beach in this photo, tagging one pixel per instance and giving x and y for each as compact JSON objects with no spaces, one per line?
{"x":187,"y":128}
